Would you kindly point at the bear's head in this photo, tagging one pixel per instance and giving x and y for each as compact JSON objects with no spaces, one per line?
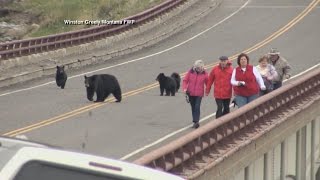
{"x":160,"y":77}
{"x":88,"y":82}
{"x":60,"y":69}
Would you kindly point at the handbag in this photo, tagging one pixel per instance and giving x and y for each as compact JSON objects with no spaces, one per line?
{"x":187,"y":97}
{"x":268,"y":84}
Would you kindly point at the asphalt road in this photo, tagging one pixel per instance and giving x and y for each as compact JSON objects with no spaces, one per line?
{"x":117,"y":129}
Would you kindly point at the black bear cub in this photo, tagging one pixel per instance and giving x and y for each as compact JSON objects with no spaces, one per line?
{"x":177,"y":78}
{"x":61,"y":77}
{"x":103,"y":85}
{"x":170,"y":84}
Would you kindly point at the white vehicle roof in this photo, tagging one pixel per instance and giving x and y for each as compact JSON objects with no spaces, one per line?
{"x":20,"y":161}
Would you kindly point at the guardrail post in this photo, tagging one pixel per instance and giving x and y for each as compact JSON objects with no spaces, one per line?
{"x":313,"y":134}
{"x":303,"y":152}
{"x":266,"y":166}
{"x":247,"y":173}
{"x":298,"y":155}
{"x":283,"y":164}
{"x":318,"y":130}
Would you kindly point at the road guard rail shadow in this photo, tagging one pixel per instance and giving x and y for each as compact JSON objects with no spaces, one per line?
{"x":195,"y":154}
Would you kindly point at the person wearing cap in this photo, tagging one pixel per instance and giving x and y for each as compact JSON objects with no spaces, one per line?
{"x":281,"y":65}
{"x":246,"y":80}
{"x":268,"y":73}
{"x":220,"y":76}
{"x":193,"y":84}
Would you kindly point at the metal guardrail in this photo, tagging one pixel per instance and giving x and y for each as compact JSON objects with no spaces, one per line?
{"x":218,"y":139}
{"x":63,"y":40}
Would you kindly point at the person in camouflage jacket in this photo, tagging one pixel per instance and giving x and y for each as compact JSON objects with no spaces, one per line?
{"x":282,"y":67}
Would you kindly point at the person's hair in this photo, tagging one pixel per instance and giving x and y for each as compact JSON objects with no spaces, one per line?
{"x":198,"y":64}
{"x":240,"y":56}
{"x":263,"y":58}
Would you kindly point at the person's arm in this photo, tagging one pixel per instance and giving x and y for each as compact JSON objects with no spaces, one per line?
{"x":286,"y":69}
{"x":259,"y":78}
{"x":211,"y":79}
{"x":206,"y":80}
{"x":185,"y":82}
{"x":233,"y":78}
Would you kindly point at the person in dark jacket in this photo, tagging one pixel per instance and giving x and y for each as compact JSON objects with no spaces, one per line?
{"x":220,"y":75}
{"x":246,"y":80}
{"x":193,"y":84}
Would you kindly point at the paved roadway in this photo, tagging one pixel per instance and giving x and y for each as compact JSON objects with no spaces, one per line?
{"x":117,"y":129}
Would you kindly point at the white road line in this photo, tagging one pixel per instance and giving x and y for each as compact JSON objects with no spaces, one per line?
{"x":20,"y":90}
{"x":297,"y":75}
{"x":135,"y":60}
{"x":164,"y":138}
{"x":189,"y":126}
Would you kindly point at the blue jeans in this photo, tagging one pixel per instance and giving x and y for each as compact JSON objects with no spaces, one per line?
{"x":277,"y":85}
{"x":195,"y":102}
{"x":243,"y":100}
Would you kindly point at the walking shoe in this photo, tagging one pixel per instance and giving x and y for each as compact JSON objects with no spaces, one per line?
{"x":195,"y":125}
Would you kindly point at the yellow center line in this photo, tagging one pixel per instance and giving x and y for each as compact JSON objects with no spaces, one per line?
{"x":37,"y":124}
{"x":90,"y":107}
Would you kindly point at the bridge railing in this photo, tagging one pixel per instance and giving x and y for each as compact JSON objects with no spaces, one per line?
{"x":52,"y":42}
{"x":181,"y":153}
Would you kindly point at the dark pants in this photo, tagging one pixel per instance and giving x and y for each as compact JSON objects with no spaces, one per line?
{"x":195,"y":102}
{"x":223,"y":107}
{"x":276,"y":85}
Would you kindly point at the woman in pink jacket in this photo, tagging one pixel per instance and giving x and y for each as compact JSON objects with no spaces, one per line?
{"x":193,"y":85}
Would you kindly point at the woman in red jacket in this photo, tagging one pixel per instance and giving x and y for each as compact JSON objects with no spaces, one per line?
{"x":193,"y":85}
{"x":220,"y":75}
{"x":246,"y":81}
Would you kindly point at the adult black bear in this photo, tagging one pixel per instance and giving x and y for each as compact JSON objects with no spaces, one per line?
{"x":61,"y":77}
{"x":102,"y":85}
{"x":170,"y":84}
